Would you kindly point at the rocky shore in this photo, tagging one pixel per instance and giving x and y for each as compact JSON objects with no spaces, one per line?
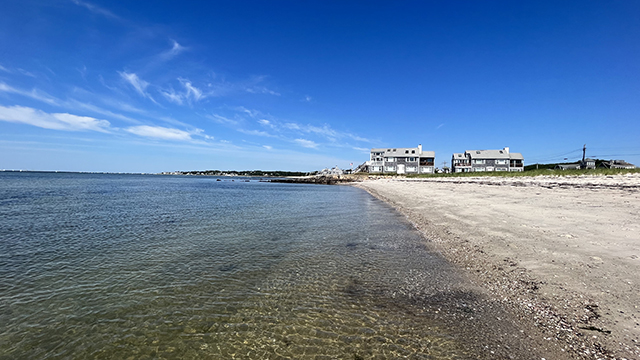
{"x":561,"y":253}
{"x":322,"y":180}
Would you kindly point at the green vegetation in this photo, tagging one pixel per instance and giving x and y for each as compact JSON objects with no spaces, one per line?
{"x":534,"y":172}
{"x":551,"y":166}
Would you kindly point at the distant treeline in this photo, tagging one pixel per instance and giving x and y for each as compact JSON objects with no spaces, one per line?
{"x":277,"y":173}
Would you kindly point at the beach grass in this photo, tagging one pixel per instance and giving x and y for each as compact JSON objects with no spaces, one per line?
{"x":538,"y":172}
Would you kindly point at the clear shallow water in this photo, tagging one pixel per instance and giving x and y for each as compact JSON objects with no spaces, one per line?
{"x":126,"y":266}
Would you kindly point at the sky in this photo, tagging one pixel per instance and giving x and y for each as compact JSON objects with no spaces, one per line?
{"x":152,"y":86}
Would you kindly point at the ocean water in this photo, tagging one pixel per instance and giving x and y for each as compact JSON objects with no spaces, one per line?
{"x":153,"y":267}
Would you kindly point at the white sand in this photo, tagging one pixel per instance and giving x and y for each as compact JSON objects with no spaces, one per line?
{"x":561,"y":252}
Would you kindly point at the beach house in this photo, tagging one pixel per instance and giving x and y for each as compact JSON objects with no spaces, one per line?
{"x":402,"y":161}
{"x":617,"y":164}
{"x":582,"y":164}
{"x":487,"y":160}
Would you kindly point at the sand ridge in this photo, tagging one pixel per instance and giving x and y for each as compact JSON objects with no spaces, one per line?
{"x":563,"y":253}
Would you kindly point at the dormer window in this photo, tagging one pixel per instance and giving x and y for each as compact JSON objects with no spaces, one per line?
{"x":413,"y":151}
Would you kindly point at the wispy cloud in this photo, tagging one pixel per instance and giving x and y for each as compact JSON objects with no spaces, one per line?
{"x":34,"y":94}
{"x":306,"y":143}
{"x":255,"y":132}
{"x":191,"y":91}
{"x":55,"y":121}
{"x":96,"y":9}
{"x":307,"y":98}
{"x":98,"y":110}
{"x":255,"y":86}
{"x":69,"y":104}
{"x":261,"y":90}
{"x":159,"y":132}
{"x":292,"y":131}
{"x":364,"y":150}
{"x":172,"y":96}
{"x":439,"y":126}
{"x":122,"y":105}
{"x":190,"y":94}
{"x":17,"y":70}
{"x":252,"y":113}
{"x":138,"y":84}
{"x":175,"y":50}
{"x":325,"y":131}
{"x":265,"y":122}
{"x":26,"y":73}
{"x":268,"y":147}
{"x":221,"y":119}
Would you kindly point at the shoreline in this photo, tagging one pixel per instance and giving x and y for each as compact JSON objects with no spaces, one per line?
{"x":562,"y":254}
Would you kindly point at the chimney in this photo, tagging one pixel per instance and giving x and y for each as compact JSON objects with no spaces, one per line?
{"x":419,"y":148}
{"x":506,"y":149}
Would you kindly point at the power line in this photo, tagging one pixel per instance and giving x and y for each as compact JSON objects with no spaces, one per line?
{"x":614,"y":155}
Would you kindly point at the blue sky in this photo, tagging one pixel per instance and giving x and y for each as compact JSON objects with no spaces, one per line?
{"x":150,"y":86}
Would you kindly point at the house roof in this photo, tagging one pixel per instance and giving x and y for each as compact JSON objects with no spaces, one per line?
{"x":516,"y":156}
{"x":404,"y":152}
{"x":568,"y":166}
{"x":396,"y":151}
{"x":618,"y":163}
{"x":458,"y":155}
{"x":488,"y":154}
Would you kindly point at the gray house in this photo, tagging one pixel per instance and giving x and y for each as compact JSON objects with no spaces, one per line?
{"x":617,"y":164}
{"x":572,"y":166}
{"x":582,"y":164}
{"x":487,"y":160}
{"x":587,"y":163}
{"x":402,"y":161}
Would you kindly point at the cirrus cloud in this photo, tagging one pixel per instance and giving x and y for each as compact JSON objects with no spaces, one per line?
{"x":306,"y":143}
{"x":55,"y":121}
{"x":159,"y":132}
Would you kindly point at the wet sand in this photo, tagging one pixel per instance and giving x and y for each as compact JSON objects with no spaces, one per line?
{"x":562,"y":254}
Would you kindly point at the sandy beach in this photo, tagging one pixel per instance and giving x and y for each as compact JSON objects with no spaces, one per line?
{"x":561,"y":253}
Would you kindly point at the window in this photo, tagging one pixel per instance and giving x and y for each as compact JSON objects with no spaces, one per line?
{"x":389,"y":168}
{"x":389,"y":159}
{"x":413,"y":151}
{"x":411,"y":159}
{"x":426,"y":161}
{"x":406,"y":151}
{"x":501,"y":162}
{"x":478,"y":161}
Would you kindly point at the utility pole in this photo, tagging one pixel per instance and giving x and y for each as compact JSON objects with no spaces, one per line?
{"x":584,"y":150}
